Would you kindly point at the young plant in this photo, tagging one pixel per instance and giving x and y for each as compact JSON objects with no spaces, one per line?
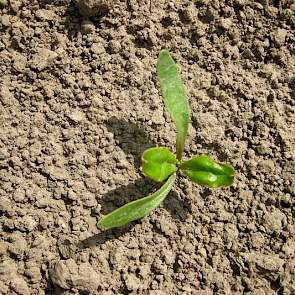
{"x":159,"y":163}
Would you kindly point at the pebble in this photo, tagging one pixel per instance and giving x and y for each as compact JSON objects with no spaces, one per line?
{"x":280,"y":36}
{"x":67,"y":274}
{"x":19,"y":195}
{"x":5,"y":20}
{"x":76,"y":116}
{"x":4,"y":154}
{"x":45,"y":15}
{"x":43,"y":58}
{"x":274,"y":220}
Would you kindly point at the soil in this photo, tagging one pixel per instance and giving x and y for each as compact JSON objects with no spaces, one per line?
{"x":80,"y":102}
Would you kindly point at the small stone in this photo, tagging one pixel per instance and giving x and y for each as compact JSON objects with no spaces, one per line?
{"x":202,"y":251}
{"x":289,"y":247}
{"x":271,"y":263}
{"x":158,"y":118}
{"x":5,"y":20}
{"x":6,"y":96}
{"x":257,"y":240}
{"x":18,"y":245}
{"x":15,"y":5}
{"x":280,"y":36}
{"x":76,"y":116}
{"x":114,"y":46}
{"x":72,"y":195}
{"x":4,"y":154}
{"x":67,"y":274}
{"x":274,"y":220}
{"x":19,"y":195}
{"x":15,"y":161}
{"x":45,"y":15}
{"x":60,"y":272}
{"x":97,"y":48}
{"x":20,"y":62}
{"x":42,"y":203}
{"x":35,"y":149}
{"x":43,"y":59}
{"x":132,"y":282}
{"x":91,"y":183}
{"x":264,"y":148}
{"x":56,"y":173}
{"x":226,"y":23}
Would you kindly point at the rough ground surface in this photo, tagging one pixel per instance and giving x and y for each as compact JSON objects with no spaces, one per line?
{"x":80,"y":101}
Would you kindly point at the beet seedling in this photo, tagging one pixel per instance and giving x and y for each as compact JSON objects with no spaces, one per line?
{"x":159,"y":163}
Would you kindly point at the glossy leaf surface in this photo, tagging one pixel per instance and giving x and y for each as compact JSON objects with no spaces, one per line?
{"x":205,"y":171}
{"x":158,"y":163}
{"x":174,"y":97}
{"x":138,"y":208}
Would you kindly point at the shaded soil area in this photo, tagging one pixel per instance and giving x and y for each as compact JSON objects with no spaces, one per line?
{"x":80,"y":102}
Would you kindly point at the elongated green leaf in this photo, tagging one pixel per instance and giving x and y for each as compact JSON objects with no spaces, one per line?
{"x":158,"y":163}
{"x":174,"y":97}
{"x":205,"y":171}
{"x":138,"y":208}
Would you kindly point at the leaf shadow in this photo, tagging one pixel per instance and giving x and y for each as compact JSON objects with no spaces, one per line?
{"x":113,"y":200}
{"x":177,"y":206}
{"x":127,"y":193}
{"x":176,"y":202}
{"x":132,"y":138}
{"x":104,"y":236}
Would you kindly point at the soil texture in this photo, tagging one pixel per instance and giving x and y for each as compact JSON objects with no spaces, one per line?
{"x":79,"y":103}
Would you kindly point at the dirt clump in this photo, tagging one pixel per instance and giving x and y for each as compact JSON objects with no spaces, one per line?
{"x":91,"y":7}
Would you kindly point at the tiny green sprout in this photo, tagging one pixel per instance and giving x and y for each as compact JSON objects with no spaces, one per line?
{"x":160,"y":164}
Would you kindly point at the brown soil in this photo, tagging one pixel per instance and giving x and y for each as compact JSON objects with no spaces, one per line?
{"x":80,"y":101}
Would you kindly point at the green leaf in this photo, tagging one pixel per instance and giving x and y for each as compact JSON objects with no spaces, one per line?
{"x":138,"y":208}
{"x":174,"y":97}
{"x":158,"y":163}
{"x":205,"y":171}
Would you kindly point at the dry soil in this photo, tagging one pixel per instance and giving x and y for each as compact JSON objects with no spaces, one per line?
{"x":80,"y":101}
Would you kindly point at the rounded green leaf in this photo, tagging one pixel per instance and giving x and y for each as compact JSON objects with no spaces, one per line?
{"x":205,"y":171}
{"x":158,"y":163}
{"x":174,"y":97}
{"x":138,"y":208}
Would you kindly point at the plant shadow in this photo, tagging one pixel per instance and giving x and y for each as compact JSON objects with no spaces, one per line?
{"x":176,"y":202}
{"x":127,"y":193}
{"x":177,"y":205}
{"x":132,"y":138}
{"x":104,"y":236}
